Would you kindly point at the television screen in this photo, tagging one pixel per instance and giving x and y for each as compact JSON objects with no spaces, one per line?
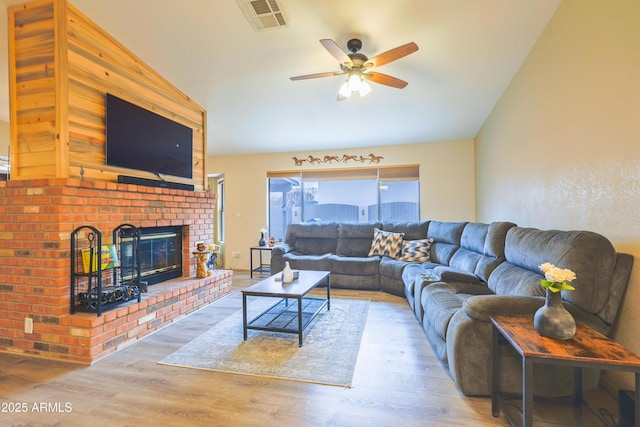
{"x":142,"y":140}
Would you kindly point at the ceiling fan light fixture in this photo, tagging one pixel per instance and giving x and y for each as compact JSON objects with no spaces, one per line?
{"x":354,"y":83}
{"x":344,"y":91}
{"x":365,"y":88}
{"x":355,"y":80}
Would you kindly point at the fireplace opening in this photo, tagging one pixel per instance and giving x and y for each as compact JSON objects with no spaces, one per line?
{"x":160,"y":253}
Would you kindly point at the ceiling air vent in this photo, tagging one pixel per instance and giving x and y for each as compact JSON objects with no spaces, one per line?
{"x":263,"y":14}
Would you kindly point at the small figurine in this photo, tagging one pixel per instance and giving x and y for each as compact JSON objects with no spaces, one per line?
{"x":201,"y":260}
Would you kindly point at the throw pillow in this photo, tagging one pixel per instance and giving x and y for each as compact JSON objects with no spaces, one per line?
{"x":416,"y":250}
{"x":386,"y":243}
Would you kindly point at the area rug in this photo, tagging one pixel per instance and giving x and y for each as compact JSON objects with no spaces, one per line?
{"x":328,"y":355}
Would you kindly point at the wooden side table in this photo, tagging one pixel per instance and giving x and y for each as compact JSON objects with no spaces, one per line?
{"x":262,"y":267}
{"x":587,"y":349}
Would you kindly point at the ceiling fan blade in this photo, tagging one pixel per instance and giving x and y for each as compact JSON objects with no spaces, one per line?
{"x":386,"y":80}
{"x":316,"y":75}
{"x":392,"y":55}
{"x":337,"y":52}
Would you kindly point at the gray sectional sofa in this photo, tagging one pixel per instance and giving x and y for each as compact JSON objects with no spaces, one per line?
{"x":475,"y":271}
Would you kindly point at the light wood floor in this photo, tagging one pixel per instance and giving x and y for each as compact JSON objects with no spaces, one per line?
{"x":397,"y":382}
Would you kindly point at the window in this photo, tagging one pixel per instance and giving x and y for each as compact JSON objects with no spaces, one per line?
{"x":284,"y":204}
{"x":220,"y":213}
{"x":353,"y":195}
{"x":216,"y":186}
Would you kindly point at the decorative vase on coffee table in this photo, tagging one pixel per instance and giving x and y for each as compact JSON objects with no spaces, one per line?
{"x":287,"y":273}
{"x":553,"y":320}
{"x":262,"y":241}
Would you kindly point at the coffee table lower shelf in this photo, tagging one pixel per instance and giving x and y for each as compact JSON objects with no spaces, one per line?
{"x":288,"y":315}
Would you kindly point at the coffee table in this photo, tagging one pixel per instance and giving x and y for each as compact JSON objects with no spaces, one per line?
{"x":285,"y":315}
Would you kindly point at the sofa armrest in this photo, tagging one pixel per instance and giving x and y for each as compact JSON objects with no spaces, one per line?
{"x":482,"y":307}
{"x":448,"y":274}
{"x":281,"y":249}
{"x":277,"y":257}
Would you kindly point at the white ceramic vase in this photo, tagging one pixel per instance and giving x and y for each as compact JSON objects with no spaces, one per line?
{"x":287,"y":273}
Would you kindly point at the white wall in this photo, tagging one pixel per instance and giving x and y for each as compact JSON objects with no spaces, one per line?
{"x":562,"y":147}
{"x":446,"y":185}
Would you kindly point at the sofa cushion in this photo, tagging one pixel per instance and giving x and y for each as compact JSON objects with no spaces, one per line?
{"x":386,"y":243}
{"x":409,"y":274}
{"x":307,"y":262}
{"x":354,"y":239}
{"x":312,"y":238}
{"x":392,"y":286}
{"x":357,"y":230}
{"x":446,"y":240}
{"x":393,"y":268}
{"x":315,"y":246}
{"x":355,"y":266}
{"x":413,"y":270}
{"x":347,"y":281}
{"x":471,"y":250}
{"x":480,"y":251}
{"x":416,"y":250}
{"x":510,"y":279}
{"x":449,"y":274}
{"x":324,"y":230}
{"x":413,"y":230}
{"x":440,"y":301}
{"x":496,"y":236}
{"x":589,"y":255}
{"x":493,"y":249}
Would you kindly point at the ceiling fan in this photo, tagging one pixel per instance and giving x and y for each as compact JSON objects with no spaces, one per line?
{"x":356,"y":66}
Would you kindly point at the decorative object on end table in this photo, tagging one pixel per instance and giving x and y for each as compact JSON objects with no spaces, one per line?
{"x":201,"y":256}
{"x":263,"y":240}
{"x":213,"y":256}
{"x":553,"y":320}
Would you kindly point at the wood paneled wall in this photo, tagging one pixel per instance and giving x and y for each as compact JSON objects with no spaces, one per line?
{"x":61,"y":67}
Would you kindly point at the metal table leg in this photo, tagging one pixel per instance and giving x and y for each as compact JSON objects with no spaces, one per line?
{"x":577,"y":385}
{"x":251,"y":263}
{"x":244,"y":315}
{"x":300,"y":322}
{"x":637,"y":412}
{"x":328,"y":293}
{"x":527,"y":392}
{"x":495,"y":404}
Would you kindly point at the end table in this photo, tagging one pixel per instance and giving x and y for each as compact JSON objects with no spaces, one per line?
{"x":587,"y":349}
{"x":262,"y":266}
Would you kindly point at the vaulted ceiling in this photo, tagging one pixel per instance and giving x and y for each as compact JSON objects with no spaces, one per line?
{"x":469,"y":50}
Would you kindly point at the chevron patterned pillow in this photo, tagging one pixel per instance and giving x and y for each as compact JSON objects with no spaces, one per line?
{"x":416,"y":250}
{"x":386,"y":243}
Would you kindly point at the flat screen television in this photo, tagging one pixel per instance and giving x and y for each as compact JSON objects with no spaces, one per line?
{"x":139,"y":139}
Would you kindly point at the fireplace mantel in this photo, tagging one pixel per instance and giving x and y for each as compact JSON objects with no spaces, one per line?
{"x":36,"y":221}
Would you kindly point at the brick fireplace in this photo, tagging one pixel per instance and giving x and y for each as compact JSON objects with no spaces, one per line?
{"x":36,"y":221}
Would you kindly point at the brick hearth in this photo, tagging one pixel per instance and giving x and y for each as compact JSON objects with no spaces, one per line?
{"x":36,"y":221}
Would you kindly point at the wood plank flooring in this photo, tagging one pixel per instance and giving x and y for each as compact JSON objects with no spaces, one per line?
{"x":397,"y":382}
